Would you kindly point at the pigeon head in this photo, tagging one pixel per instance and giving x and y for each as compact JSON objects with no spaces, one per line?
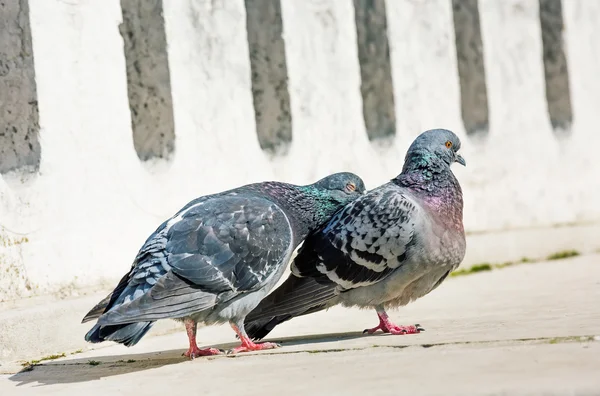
{"x":312,"y":205}
{"x":324,"y":197}
{"x":341,"y":188}
{"x":318,"y":201}
{"x":435,"y":145}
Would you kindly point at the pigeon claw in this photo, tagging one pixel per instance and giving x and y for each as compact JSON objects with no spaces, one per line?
{"x":395,"y":329}
{"x":402,"y":330}
{"x":250,"y":347}
{"x":193,"y":353}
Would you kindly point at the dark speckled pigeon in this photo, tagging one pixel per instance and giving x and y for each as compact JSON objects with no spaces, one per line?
{"x":217,"y":258}
{"x":391,"y":246}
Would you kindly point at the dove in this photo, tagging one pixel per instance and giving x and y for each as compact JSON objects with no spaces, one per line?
{"x":383,"y":250}
{"x":216,"y":258}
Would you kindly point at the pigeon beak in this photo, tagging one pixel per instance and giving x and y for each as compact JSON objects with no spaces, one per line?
{"x":460,"y":160}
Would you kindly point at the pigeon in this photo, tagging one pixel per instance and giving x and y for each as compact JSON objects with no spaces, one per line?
{"x":216,"y":258}
{"x":387,"y":248}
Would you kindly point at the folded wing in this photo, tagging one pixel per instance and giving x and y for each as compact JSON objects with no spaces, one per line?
{"x":208,"y":253}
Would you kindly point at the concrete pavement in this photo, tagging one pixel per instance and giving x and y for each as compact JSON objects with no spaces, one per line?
{"x":527,"y":329}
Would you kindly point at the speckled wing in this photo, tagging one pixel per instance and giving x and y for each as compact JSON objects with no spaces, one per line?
{"x":363,"y":243}
{"x":210,"y":252}
{"x":149,"y":266}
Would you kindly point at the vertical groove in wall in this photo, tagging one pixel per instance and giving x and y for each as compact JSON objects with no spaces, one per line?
{"x":269,"y":74}
{"x":148,"y":79}
{"x":471,"y":69}
{"x":19,"y":117}
{"x":558,"y":94}
{"x":375,"y":68}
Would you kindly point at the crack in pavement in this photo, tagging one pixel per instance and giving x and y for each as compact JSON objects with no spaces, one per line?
{"x":148,"y":361}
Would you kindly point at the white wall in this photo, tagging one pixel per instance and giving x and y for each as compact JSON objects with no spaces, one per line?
{"x":80,"y":221}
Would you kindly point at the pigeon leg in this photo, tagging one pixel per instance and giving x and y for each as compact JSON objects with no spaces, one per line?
{"x":387,"y":326}
{"x":194,"y":351}
{"x":247,"y":344}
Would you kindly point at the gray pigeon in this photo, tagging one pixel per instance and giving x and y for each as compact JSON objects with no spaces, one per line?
{"x":387,"y":248}
{"x":216,"y":258}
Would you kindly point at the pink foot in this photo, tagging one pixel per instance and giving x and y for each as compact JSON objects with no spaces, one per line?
{"x":396,"y":330}
{"x":249,"y":347}
{"x":195,"y":352}
{"x":387,"y":326}
{"x":247,"y":344}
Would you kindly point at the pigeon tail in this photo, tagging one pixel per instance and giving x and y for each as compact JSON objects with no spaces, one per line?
{"x":98,"y":310}
{"x":171,"y":297}
{"x":127,"y":334}
{"x":295,"y":297}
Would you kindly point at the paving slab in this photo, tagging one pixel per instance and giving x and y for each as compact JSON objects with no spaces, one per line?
{"x":527,"y":329}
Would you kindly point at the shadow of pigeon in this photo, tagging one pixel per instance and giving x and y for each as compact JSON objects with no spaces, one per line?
{"x":88,"y":369}
{"x":95,"y":368}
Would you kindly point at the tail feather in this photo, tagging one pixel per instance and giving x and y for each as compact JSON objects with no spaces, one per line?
{"x":127,"y":334}
{"x":98,"y":310}
{"x":108,"y":301}
{"x":171,"y":297}
{"x":295,"y":297}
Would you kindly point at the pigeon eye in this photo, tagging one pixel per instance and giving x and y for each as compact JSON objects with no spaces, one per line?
{"x":350,"y":187}
{"x":449,"y":144}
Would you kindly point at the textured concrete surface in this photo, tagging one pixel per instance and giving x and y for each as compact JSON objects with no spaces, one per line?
{"x":528,"y":329}
{"x":19,"y":116}
{"x":148,"y":79}
{"x":471,"y":68}
{"x":558,"y":93}
{"x":376,"y":86}
{"x":270,"y":94}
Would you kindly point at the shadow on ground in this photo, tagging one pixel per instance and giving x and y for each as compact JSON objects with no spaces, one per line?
{"x":89,"y":369}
